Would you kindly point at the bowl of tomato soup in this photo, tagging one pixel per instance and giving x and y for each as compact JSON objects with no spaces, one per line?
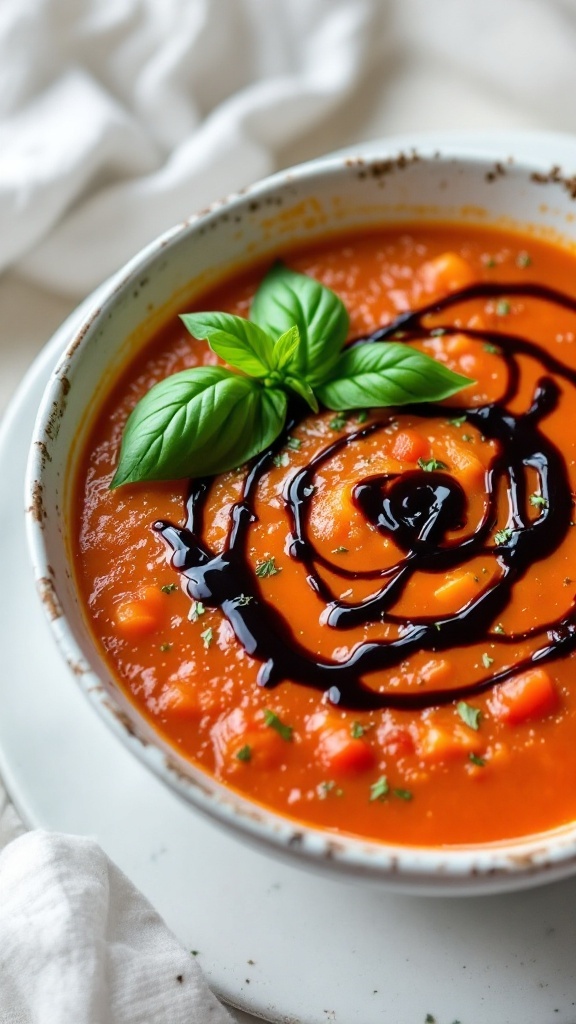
{"x":348,"y":632}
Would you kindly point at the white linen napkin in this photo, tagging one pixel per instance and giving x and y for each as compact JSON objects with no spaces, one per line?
{"x":118,"y":118}
{"x":80,"y":945}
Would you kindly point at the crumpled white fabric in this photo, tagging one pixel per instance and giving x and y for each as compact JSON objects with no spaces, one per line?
{"x":80,"y":945}
{"x":119,"y":118}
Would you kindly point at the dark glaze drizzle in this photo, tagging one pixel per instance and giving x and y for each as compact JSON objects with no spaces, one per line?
{"x":420,"y":509}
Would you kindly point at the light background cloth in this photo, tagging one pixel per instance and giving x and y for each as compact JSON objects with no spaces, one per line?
{"x":119,"y":118}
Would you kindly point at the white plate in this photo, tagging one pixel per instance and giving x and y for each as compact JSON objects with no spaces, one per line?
{"x":289,"y":946}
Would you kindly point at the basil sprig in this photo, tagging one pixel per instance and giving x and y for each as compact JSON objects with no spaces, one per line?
{"x":210,"y":419}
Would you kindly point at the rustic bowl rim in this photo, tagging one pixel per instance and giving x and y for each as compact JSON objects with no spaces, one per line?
{"x":505,"y":865}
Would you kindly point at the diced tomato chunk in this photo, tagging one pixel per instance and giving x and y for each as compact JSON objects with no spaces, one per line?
{"x":447,"y":743}
{"x":143,"y":615}
{"x":181,"y":700}
{"x":457,"y":589}
{"x":445,"y":273}
{"x":343,"y":754}
{"x":409,"y":446}
{"x":531,"y":694}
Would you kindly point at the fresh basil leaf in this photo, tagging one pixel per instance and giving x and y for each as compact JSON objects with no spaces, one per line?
{"x":387,"y":373}
{"x":304,"y":390}
{"x":285,"y":348}
{"x":197,"y":423}
{"x":285,"y":298}
{"x":237,"y":341}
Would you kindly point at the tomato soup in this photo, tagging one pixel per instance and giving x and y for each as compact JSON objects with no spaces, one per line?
{"x":371,"y":627}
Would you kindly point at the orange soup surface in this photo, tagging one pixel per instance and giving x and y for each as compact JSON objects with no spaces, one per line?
{"x":389,"y":651}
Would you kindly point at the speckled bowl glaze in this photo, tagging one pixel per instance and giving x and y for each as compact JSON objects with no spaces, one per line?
{"x":454,"y":180}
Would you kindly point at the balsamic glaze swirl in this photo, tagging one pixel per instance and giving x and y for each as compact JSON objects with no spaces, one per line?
{"x":418,"y":509}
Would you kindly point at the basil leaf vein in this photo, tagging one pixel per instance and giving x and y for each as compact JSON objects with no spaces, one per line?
{"x":237,"y":341}
{"x":197,"y":423}
{"x":286,"y":298}
{"x":387,"y":373}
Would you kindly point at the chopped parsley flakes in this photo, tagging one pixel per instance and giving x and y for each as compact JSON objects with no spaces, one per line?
{"x":274,"y":722}
{"x":207,"y":637}
{"x":429,"y":465}
{"x":196,"y":610}
{"x":469,"y":715}
{"x":339,"y":422}
{"x":267,"y":568}
{"x":379,"y":789}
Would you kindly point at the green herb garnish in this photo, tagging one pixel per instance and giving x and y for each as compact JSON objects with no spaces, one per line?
{"x":325,"y":788}
{"x":361,"y":417}
{"x":282,"y":459}
{"x":211,"y":419}
{"x":196,"y":610}
{"x":402,"y":794}
{"x":166,"y":647}
{"x":491,"y":349}
{"x":469,"y":715}
{"x":503,"y":307}
{"x":429,"y":465}
{"x":267,"y":568}
{"x":338,"y":422}
{"x":503,"y":536}
{"x":357,"y":730}
{"x":478,"y":761}
{"x":457,"y":421}
{"x":380,"y":789}
{"x":499,"y":628}
{"x":340,"y":550}
{"x":294,"y":443}
{"x":245,"y":753}
{"x":207,"y":637}
{"x":487,"y":661}
{"x":538,"y":500}
{"x":169,"y":588}
{"x":274,"y":722}
{"x":523,"y":260}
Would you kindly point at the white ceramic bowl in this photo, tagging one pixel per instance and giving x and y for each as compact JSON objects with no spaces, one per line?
{"x":328,"y":195}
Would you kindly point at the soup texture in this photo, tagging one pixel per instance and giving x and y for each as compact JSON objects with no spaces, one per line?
{"x":371,"y":627}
